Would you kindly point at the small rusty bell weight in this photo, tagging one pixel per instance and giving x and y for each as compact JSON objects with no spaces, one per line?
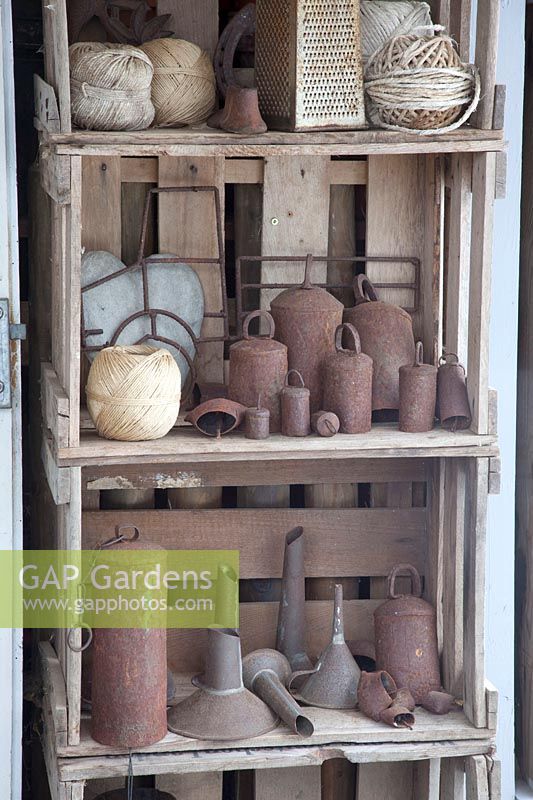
{"x":418,"y":394}
{"x":257,"y":422}
{"x":295,"y":411}
{"x":257,"y":366}
{"x":325,"y":423}
{"x":452,"y":397}
{"x":348,"y":383}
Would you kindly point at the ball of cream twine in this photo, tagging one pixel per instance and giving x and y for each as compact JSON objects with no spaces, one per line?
{"x":133,"y":393}
{"x":110,"y":87}
{"x":419,"y":83}
{"x":382,"y":19}
{"x":183,"y":87}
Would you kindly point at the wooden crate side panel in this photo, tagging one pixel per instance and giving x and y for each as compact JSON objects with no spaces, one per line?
{"x":195,"y":22}
{"x":56,"y":58}
{"x":458,"y":256}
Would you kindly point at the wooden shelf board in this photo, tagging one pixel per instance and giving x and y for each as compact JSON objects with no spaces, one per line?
{"x":206,"y":141}
{"x":187,"y":445}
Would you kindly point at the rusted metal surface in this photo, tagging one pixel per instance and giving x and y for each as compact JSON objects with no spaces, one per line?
{"x":334,"y":680}
{"x":241,"y":24}
{"x":257,"y":423}
{"x":129,"y":680}
{"x":266,"y":673}
{"x":398,"y":717}
{"x":452,"y":397}
{"x":143,"y":264}
{"x":217,"y":417}
{"x":257,"y":367}
{"x":306,"y":319}
{"x":438,"y":702}
{"x":379,"y":699}
{"x":418,"y":394}
{"x":290,"y":636}
{"x":295,"y":407}
{"x":386,"y":333}
{"x":325,"y":423}
{"x":348,"y":383}
{"x":240,"y":113}
{"x":222,"y":709}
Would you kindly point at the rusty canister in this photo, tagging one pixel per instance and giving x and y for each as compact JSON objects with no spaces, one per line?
{"x":386,"y":333}
{"x":295,"y":412}
{"x":325,"y":423}
{"x":257,"y":422}
{"x":258,"y":365}
{"x":452,"y":397}
{"x":418,"y":394}
{"x":306,"y":319}
{"x":129,"y":679}
{"x":406,"y":638}
{"x":348,"y":383}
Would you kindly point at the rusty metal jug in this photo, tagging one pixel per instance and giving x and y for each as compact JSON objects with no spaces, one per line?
{"x":306,"y":319}
{"x":257,"y":367}
{"x":386,"y":333}
{"x":348,"y":383}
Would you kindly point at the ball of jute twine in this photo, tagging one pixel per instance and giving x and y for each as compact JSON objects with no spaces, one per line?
{"x":110,"y":87}
{"x":183,"y":86}
{"x":419,"y":84}
{"x":133,"y":393}
{"x":382,"y":19}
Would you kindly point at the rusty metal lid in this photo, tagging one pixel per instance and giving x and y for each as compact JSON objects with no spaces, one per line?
{"x":307,"y":298}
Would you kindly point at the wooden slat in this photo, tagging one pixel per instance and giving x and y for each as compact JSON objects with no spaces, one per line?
{"x":139,"y":170}
{"x":55,"y":405}
{"x":452,"y":779}
{"x":453,"y":564}
{"x":258,"y":622}
{"x":58,"y":478}
{"x":431,"y":279}
{"x":101,"y":205}
{"x":459,"y":26}
{"x":477,"y":784}
{"x":56,"y":58}
{"x":203,"y":786}
{"x":434,"y":573}
{"x":474,"y":592}
{"x":301,"y":783}
{"x":342,"y":240}
{"x":55,"y":175}
{"x":426,"y":779}
{"x":196,"y":23}
{"x":458,"y":264}
{"x":187,"y":227}
{"x":71,"y":310}
{"x":483,"y":178}
{"x":384,"y":781}
{"x":338,"y":542}
{"x":487,"y":29}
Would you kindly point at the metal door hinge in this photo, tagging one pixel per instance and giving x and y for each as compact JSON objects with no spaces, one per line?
{"x":7,"y":333}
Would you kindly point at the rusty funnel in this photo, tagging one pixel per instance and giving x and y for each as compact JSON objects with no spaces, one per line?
{"x":290,"y":639}
{"x":222,"y":708}
{"x":266,"y":672}
{"x":334,"y":681}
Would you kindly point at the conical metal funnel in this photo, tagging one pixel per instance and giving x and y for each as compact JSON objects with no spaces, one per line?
{"x":334,"y":681}
{"x":222,"y":709}
{"x":266,"y":673}
{"x":290,"y":639}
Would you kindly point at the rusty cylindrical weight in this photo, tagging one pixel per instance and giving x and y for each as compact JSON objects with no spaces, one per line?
{"x":386,"y":333}
{"x":348,"y":383}
{"x":325,"y":423}
{"x":418,"y":394}
{"x":295,"y":411}
{"x":306,"y":319}
{"x":452,"y":397}
{"x":257,"y":422}
{"x":129,"y":679}
{"x":257,"y":366}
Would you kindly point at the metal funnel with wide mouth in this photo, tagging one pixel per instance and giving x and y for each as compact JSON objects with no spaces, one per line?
{"x":266,"y":673}
{"x":222,"y":709}
{"x":334,"y":681}
{"x":290,"y":638}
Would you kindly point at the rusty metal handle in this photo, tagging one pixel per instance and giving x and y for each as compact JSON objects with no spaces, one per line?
{"x":307,"y":277}
{"x":253,"y":315}
{"x":419,"y":354}
{"x":295,"y":371}
{"x":444,"y":360}
{"x":84,"y":646}
{"x":347,"y":326}
{"x":364,"y":290}
{"x":415,"y":578}
{"x":299,"y":674}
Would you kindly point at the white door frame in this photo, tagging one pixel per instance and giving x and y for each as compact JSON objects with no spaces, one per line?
{"x":10,"y":420}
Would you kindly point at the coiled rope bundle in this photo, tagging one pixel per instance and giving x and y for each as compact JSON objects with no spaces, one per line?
{"x":134,"y":392}
{"x":382,"y":19}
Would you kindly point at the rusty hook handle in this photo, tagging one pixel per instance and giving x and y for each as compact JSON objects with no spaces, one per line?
{"x":84,"y":646}
{"x":347,"y":326}
{"x":419,"y":354}
{"x":364,"y":290}
{"x":295,"y":372}
{"x":415,"y":578}
{"x":307,"y":277}
{"x":444,"y":360}
{"x":253,"y":315}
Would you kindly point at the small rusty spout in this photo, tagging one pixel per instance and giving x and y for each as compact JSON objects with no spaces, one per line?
{"x":375,"y":693}
{"x":438,"y":702}
{"x":398,"y":717}
{"x":266,"y":673}
{"x":290,"y":639}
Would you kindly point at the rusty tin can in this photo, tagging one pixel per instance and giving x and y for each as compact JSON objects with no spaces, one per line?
{"x":418,"y":394}
{"x":257,"y":422}
{"x":129,"y":679}
{"x":406,"y":638}
{"x":386,"y":333}
{"x":452,"y":397}
{"x":325,"y":423}
{"x":348,"y":383}
{"x":306,"y":319}
{"x":295,"y":411}
{"x":258,"y":365}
